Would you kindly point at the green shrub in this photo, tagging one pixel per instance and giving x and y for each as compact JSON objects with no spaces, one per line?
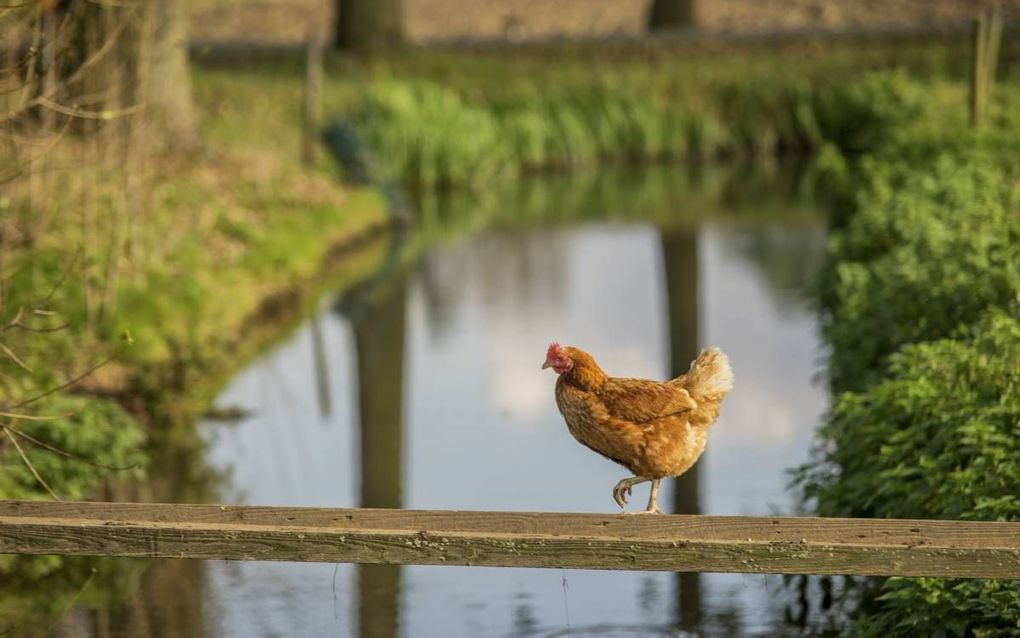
{"x":938,"y":437}
{"x":93,"y":431}
{"x":768,"y":114}
{"x":949,"y":608}
{"x":707,"y":137}
{"x":592,"y":124}
{"x":919,"y":301}
{"x":865,"y":114}
{"x":926,"y":252}
{"x":527,"y":134}
{"x":427,"y":135}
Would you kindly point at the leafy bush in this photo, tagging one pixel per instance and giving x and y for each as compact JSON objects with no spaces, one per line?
{"x":919,"y":300}
{"x":926,"y":252}
{"x":865,"y":114}
{"x":938,"y":437}
{"x":427,"y":135}
{"x":584,"y":126}
{"x":94,"y":432}
{"x":767,"y":114}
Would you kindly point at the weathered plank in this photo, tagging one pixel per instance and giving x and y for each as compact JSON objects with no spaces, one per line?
{"x":507,"y":539}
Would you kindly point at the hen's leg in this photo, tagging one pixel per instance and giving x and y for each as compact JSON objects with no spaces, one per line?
{"x":622,"y":489}
{"x":653,"y":506}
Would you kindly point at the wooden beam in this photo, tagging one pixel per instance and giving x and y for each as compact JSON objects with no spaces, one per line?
{"x":584,"y":541}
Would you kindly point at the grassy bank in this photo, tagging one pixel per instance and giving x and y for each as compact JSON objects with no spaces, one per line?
{"x":173,"y":293}
{"x":468,"y":142}
{"x":466,"y":116}
{"x":229,"y":250}
{"x":920,"y":300}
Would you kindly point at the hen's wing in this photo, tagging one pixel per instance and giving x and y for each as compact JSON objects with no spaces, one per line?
{"x":639,"y":400}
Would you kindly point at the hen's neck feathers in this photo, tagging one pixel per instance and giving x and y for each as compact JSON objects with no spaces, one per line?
{"x":585,"y":373}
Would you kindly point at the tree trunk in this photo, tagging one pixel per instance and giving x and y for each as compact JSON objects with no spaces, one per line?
{"x":671,"y":14}
{"x":163,"y":76}
{"x":129,"y":61}
{"x":368,"y":26}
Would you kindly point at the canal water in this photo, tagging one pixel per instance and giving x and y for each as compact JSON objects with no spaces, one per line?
{"x":422,"y":388}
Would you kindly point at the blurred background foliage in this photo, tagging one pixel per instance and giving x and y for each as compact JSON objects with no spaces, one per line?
{"x":138,"y":198}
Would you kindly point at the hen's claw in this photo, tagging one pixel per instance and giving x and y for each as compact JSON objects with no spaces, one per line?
{"x":620,"y":493}
{"x":623,"y":489}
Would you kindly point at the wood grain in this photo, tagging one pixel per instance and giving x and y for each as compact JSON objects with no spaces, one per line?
{"x":510,"y":539}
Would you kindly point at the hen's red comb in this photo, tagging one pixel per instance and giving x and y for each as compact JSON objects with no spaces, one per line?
{"x":553,"y":349}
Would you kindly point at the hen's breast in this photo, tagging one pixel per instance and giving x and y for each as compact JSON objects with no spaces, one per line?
{"x":591,"y":424}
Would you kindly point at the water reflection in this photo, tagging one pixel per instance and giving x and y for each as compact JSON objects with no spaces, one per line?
{"x":377,"y":315}
{"x":680,"y":268}
{"x":421,"y":388}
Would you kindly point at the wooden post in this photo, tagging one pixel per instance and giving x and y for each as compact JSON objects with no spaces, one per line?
{"x":313,"y":89}
{"x":767,"y":544}
{"x":987,"y":38}
{"x":977,"y":72}
{"x":993,"y":39}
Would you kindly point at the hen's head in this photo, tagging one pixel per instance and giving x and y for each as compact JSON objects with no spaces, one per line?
{"x":557,"y":358}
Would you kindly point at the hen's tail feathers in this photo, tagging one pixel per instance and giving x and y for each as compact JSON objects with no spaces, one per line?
{"x":710,"y":376}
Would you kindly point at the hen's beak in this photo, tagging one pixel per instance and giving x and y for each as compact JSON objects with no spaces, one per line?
{"x":546,"y":365}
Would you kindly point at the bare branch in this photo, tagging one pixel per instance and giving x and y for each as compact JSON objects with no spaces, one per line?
{"x":47,"y":147}
{"x":104,"y":115}
{"x":72,"y":602}
{"x":63,"y":276}
{"x":31,"y":467}
{"x":66,"y":454}
{"x":17,"y":360}
{"x":58,"y":328}
{"x":62,"y":386}
{"x":27,"y":417}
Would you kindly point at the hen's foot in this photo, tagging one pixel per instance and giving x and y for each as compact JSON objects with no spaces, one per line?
{"x":656,"y":510}
{"x":653,"y":509}
{"x":623,"y":489}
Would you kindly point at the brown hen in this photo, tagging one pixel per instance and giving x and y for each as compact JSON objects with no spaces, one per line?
{"x":654,"y":429}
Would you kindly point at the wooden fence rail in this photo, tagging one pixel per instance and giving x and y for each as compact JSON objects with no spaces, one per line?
{"x":507,"y":539}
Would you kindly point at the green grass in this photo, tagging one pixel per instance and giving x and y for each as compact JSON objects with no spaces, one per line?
{"x":428,"y":134}
{"x":440,"y":118}
{"x":449,"y":116}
